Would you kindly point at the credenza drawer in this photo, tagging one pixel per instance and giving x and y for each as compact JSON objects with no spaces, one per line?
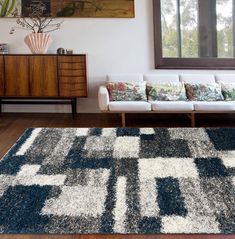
{"x":72,"y":59}
{"x":72,"y":66}
{"x":73,"y":73}
{"x":73,"y":80}
{"x":75,"y":86}
{"x":73,"y":89}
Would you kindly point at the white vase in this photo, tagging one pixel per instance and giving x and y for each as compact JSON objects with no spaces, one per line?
{"x":38,"y":43}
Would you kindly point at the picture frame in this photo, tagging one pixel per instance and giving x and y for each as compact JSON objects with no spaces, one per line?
{"x":71,"y":8}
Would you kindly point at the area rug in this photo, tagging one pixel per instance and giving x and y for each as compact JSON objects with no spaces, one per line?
{"x":119,"y":181}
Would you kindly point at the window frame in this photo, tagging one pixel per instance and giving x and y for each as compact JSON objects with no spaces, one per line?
{"x":184,"y":63}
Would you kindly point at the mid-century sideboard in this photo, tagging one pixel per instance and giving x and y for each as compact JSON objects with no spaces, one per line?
{"x":42,"y":79}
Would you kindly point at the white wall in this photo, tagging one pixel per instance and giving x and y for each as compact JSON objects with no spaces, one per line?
{"x":113,"y":46}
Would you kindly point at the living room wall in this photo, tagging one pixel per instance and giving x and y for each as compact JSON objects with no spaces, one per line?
{"x":113,"y":45}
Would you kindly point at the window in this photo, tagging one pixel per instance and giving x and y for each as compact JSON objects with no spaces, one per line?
{"x":194,"y":34}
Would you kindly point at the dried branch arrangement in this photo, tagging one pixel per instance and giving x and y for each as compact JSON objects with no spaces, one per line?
{"x":36,"y":22}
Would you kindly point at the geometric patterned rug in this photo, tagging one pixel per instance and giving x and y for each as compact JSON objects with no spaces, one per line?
{"x":119,"y":181}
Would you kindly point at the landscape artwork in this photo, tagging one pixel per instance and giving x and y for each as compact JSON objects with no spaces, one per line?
{"x":71,"y":8}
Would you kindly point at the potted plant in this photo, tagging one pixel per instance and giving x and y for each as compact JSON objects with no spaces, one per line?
{"x":40,"y":26}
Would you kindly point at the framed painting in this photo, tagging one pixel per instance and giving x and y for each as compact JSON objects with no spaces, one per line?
{"x":71,"y":8}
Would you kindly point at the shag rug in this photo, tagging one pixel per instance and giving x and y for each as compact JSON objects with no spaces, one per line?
{"x":139,"y":181}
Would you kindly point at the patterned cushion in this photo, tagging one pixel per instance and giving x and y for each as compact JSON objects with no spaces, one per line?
{"x":228,"y":90}
{"x":124,"y":91}
{"x":204,"y":92}
{"x":166,"y":92}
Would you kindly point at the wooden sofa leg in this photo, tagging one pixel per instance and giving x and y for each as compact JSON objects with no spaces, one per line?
{"x":193,"y":122}
{"x":123,"y":120}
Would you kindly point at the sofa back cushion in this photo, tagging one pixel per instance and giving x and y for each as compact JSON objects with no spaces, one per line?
{"x":127,"y":78}
{"x":225,"y":78}
{"x":197,"y":78}
{"x":127,"y":91}
{"x":161,"y":78}
{"x":204,"y":92}
{"x":174,"y":91}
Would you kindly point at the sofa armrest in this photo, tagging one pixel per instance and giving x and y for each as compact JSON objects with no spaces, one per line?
{"x":103,"y":98}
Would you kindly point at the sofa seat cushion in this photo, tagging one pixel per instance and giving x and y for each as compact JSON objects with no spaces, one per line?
{"x":172,"y":106}
{"x":218,"y":106}
{"x":129,"y":106}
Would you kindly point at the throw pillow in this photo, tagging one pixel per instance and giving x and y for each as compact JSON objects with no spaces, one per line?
{"x":125,"y":91}
{"x":204,"y":92}
{"x":166,"y":92}
{"x":228,"y":91}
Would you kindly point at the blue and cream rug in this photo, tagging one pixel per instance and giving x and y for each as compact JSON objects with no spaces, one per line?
{"x":119,"y":181}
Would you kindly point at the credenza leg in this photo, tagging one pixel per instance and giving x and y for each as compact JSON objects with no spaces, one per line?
{"x":193,"y":121}
{"x":74,"y":107}
{"x":123,"y":120}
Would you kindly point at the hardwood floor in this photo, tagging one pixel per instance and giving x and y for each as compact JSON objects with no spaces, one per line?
{"x":13,"y":125}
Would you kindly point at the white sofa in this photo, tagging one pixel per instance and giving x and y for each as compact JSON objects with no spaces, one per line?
{"x":188,"y":107}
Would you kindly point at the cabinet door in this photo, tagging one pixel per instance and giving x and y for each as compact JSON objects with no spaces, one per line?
{"x":72,"y":76}
{"x":43,"y":76}
{"x":1,"y":76}
{"x":16,"y":76}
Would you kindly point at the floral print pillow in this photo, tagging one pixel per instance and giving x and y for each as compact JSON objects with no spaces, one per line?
{"x":166,"y":92}
{"x":204,"y":92}
{"x":125,"y":91}
{"x":228,"y":91}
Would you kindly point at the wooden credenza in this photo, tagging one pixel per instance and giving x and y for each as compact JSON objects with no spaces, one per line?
{"x":41,"y":77}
